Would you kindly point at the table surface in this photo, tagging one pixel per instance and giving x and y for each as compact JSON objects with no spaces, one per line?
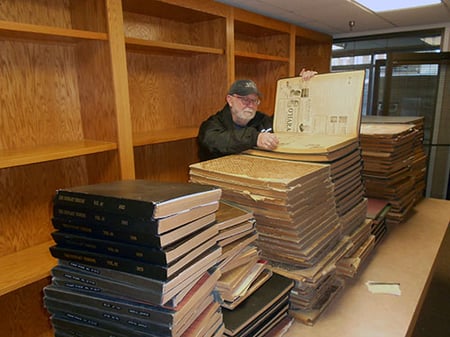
{"x":405,"y":255}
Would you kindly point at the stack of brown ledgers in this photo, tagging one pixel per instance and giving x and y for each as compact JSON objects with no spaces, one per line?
{"x":136,"y":258}
{"x":377,"y":210}
{"x":243,"y":270}
{"x":243,"y":274}
{"x":419,"y":163}
{"x":319,"y":121}
{"x":388,"y":154}
{"x":294,"y":207}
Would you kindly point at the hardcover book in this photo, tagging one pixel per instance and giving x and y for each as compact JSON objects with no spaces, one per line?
{"x":127,"y":222}
{"x":127,"y":285}
{"x":145,"y":269}
{"x":181,"y":251}
{"x":138,"y":198}
{"x":318,"y":119}
{"x":107,"y":232}
{"x":273,"y":294}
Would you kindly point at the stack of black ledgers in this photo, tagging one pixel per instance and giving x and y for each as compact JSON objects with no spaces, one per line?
{"x":136,"y":258}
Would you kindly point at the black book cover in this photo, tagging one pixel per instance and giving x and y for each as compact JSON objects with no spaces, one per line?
{"x":271,"y":292}
{"x":105,"y":231}
{"x":183,"y":250}
{"x":79,"y":326}
{"x":112,"y":304}
{"x":145,"y":269}
{"x":67,"y":309}
{"x":96,"y":280}
{"x":139,"y":198}
{"x":130,"y":223}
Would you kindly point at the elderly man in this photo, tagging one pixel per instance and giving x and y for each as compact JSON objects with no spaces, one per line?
{"x":239,"y":126}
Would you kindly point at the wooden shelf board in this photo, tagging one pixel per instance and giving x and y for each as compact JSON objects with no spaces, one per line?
{"x":168,"y":47}
{"x":167,"y":11}
{"x":163,"y":136}
{"x":261,"y":57}
{"x":25,"y":267}
{"x":43,"y":153}
{"x":46,"y":33}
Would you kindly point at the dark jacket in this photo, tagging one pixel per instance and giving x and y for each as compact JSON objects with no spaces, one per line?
{"x":219,"y":136}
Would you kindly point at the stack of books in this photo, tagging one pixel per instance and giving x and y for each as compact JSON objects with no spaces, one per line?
{"x":243,"y":271}
{"x":362,"y":243}
{"x":135,"y":257}
{"x":296,"y":219}
{"x":377,"y":210}
{"x":292,"y":202}
{"x":419,"y":162}
{"x":266,"y":311}
{"x":315,"y":287}
{"x":388,"y":155}
{"x":243,"y":274}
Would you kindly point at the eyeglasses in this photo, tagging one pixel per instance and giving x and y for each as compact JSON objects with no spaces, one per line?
{"x":248,"y":101}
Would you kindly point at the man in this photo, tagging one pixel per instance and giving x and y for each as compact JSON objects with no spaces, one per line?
{"x":239,"y":126}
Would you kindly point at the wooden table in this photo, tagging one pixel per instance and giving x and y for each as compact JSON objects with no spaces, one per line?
{"x":406,"y":255}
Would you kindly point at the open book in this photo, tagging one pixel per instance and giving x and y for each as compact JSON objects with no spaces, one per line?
{"x":318,"y":119}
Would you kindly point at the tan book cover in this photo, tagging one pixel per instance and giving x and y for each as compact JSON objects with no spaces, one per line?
{"x":230,"y":214}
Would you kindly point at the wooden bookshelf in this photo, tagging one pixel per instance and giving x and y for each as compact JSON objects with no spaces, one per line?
{"x":25,"y":267}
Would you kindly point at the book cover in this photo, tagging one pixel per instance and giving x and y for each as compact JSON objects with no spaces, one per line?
{"x":139,"y":198}
{"x":127,"y":222}
{"x":118,"y":283}
{"x":101,"y":317}
{"x":230,"y":214}
{"x":155,"y":271}
{"x":182,"y":251}
{"x":104,"y":231}
{"x":86,"y":327}
{"x":318,"y":116}
{"x":273,"y":291}
{"x":115,"y":305}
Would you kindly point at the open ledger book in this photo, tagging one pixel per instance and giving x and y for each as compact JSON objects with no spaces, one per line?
{"x":318,"y":119}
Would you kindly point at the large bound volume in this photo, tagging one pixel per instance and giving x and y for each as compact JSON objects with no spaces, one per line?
{"x":180,"y":252}
{"x":138,"y":198}
{"x":267,"y":306}
{"x":125,"y":222}
{"x":318,"y":119}
{"x":134,"y":236}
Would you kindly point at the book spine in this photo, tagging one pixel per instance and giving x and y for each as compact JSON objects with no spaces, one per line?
{"x":119,"y":221}
{"x":69,"y":280}
{"x":113,"y":248}
{"x":76,"y":327}
{"x":82,"y":326}
{"x":102,"y":317}
{"x":107,"y":232}
{"x":138,"y":208}
{"x":155,"y":314}
{"x":106,"y":261}
{"x":84,"y":270}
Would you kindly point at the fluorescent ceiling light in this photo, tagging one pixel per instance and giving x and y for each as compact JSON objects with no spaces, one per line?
{"x":432,"y":41}
{"x":337,"y":46}
{"x":384,"y":6}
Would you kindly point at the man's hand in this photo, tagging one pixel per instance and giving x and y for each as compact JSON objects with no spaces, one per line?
{"x":267,"y":141}
{"x":307,"y":74}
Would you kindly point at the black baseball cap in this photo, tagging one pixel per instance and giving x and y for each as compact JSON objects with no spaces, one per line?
{"x":244,"y":88}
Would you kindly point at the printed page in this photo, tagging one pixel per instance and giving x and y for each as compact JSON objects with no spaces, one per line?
{"x":327,"y":104}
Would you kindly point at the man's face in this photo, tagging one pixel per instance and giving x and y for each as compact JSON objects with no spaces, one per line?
{"x":243,"y":108}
